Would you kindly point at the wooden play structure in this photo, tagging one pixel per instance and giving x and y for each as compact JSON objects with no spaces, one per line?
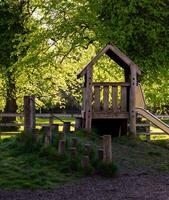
{"x":111,"y":113}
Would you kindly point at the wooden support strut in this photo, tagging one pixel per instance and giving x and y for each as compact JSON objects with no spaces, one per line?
{"x":133,"y":103}
{"x":29,"y":113}
{"x":107,"y":149}
{"x":88,"y":111}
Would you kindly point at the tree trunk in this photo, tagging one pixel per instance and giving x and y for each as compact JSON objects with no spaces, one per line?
{"x":11,"y":106}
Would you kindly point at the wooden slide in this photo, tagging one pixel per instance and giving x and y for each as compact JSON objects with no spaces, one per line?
{"x":140,"y":108}
{"x":153,"y":119}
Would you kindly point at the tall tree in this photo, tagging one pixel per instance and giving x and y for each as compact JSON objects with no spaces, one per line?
{"x":12,"y":19}
{"x":139,"y":28}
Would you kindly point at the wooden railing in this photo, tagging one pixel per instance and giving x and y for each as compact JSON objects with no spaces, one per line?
{"x":38,"y":115}
{"x":109,"y":96}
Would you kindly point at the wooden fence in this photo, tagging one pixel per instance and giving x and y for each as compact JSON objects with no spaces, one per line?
{"x":63,"y":123}
{"x":67,"y":124}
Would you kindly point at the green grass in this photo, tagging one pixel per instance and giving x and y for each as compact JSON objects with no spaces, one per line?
{"x":29,"y":170}
{"x":133,"y":154}
{"x":27,"y":163}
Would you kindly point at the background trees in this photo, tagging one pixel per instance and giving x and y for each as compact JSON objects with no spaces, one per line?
{"x":64,"y":35}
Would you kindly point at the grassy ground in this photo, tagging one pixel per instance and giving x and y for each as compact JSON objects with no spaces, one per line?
{"x":29,"y":170}
{"x":19,"y":169}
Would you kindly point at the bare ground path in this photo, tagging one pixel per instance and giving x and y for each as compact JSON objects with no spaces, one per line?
{"x":139,"y":186}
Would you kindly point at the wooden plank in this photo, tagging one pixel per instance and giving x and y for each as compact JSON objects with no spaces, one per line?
{"x":111,"y":84}
{"x":105,"y":98}
{"x":133,"y":102}
{"x":11,"y":115}
{"x":88,"y":111}
{"x":107,"y":149}
{"x":123,"y":98}
{"x":10,"y":124}
{"x":29,"y":113}
{"x":97,"y":98}
{"x":114,"y":99}
{"x":110,"y":115}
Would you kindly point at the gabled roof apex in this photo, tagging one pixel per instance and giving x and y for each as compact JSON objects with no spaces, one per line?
{"x":115,"y":54}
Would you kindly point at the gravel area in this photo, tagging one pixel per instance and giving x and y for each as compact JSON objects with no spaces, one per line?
{"x":137,"y":186}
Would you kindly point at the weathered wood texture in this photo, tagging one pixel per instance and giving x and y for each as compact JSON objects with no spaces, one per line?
{"x":111,"y":105}
{"x":97,"y":98}
{"x":85,"y":162}
{"x":66,"y":127}
{"x":133,"y":102}
{"x":107,"y":149}
{"x":88,"y":111}
{"x":61,"y":147}
{"x":73,"y":152}
{"x":29,"y":113}
{"x":78,"y":123}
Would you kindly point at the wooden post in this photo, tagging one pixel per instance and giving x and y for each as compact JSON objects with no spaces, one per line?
{"x":73,"y":152}
{"x":78,"y":123}
{"x":133,"y":102}
{"x":66,"y":127}
{"x":87,"y":148}
{"x":48,"y":137}
{"x":55,"y":127}
{"x":74,"y":141}
{"x":148,"y":132}
{"x":61,"y":147}
{"x":85,"y":162}
{"x":107,"y":149}
{"x":100,"y":154}
{"x":29,"y":113}
{"x":50,"y":124}
{"x":88,"y":111}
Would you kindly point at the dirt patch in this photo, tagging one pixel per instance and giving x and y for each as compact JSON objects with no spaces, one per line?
{"x":138,"y":186}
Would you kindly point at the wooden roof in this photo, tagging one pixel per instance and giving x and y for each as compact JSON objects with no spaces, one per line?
{"x":115,"y":54}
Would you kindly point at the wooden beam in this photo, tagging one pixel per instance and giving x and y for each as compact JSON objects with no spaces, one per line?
{"x":111,"y":84}
{"x":133,"y":102}
{"x":105,"y":98}
{"x":123,"y":98}
{"x":88,"y":111}
{"x":97,"y":98}
{"x":114,"y":99}
{"x":29,"y":113}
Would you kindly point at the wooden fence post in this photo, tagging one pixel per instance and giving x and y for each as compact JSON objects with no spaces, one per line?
{"x":148,"y":132}
{"x":55,"y":127}
{"x":78,"y":123}
{"x":61,"y":147}
{"x":66,"y":127}
{"x":29,"y":113}
{"x":107,"y":149}
{"x":73,"y":152}
{"x":48,"y":137}
{"x":74,"y":141}
{"x":85,"y":162}
{"x":100,"y":154}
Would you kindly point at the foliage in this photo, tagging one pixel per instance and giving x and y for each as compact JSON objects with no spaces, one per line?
{"x":64,"y":35}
